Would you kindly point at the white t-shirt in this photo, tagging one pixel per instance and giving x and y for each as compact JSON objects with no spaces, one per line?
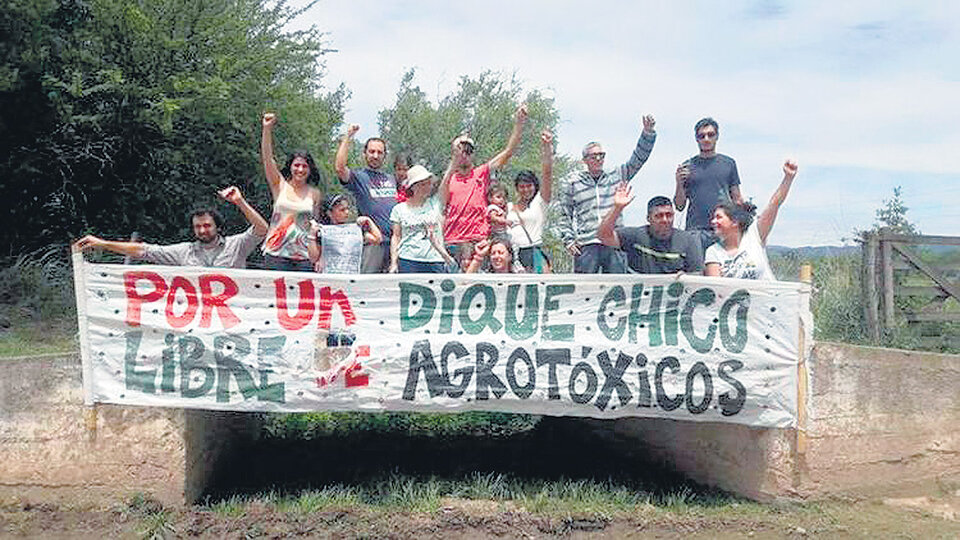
{"x":341,"y":249}
{"x":533,"y":218}
{"x":749,"y":262}
{"x":414,"y":225}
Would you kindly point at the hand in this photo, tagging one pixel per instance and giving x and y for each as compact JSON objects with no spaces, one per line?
{"x":790,"y":168}
{"x":574,"y":249}
{"x":521,"y":115}
{"x":352,"y":130}
{"x":481,"y":249}
{"x":364,"y":222}
{"x":269,"y":120}
{"x":623,"y":196}
{"x":231,"y":194}
{"x":683,"y":173}
{"x":87,"y":242}
{"x":546,"y":138}
{"x":314,"y":229}
{"x":649,"y":123}
{"x":393,"y":268}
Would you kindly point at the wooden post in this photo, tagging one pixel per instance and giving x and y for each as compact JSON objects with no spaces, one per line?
{"x":871,"y":308}
{"x":886,"y":259}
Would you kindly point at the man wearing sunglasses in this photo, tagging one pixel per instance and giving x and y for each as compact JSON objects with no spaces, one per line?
{"x":706,"y":180}
{"x":588,"y":196}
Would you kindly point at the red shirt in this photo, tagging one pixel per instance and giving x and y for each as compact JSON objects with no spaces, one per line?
{"x":466,"y":211}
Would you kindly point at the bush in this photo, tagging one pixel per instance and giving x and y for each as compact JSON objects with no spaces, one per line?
{"x":37,"y":286}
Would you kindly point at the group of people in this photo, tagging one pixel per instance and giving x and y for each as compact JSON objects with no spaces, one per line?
{"x":412,"y":222}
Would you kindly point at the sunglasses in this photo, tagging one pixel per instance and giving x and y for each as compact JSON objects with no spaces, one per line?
{"x":466,"y":147}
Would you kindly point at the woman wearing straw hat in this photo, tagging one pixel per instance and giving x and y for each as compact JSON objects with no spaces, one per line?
{"x":417,"y":241}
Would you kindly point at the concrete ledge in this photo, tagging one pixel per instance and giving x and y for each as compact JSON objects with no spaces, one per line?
{"x":54,"y":448}
{"x":881,"y":421}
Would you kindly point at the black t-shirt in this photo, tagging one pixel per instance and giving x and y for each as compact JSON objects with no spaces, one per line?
{"x":649,"y":255}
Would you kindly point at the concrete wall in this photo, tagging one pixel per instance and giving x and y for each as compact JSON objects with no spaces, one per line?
{"x":52,"y":447}
{"x":881,"y":421}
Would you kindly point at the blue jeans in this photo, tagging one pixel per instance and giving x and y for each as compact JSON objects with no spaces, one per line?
{"x":406,"y":266}
{"x":599,"y":259}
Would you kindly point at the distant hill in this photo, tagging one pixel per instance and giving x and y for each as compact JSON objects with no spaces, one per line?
{"x":812,"y":251}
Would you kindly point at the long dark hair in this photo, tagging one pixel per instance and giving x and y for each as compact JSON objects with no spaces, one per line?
{"x":313,"y":177}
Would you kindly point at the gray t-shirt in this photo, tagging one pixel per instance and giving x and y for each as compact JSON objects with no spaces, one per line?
{"x":229,"y":252}
{"x":708,"y":185}
{"x":647,"y":254}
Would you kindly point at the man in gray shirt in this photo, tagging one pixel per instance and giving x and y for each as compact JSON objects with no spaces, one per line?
{"x":209,"y":248}
{"x":706,"y":180}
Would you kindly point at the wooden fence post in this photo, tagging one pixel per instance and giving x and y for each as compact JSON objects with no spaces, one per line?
{"x":871,"y":308}
{"x":886,"y":259}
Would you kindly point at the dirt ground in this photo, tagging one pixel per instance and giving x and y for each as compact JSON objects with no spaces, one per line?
{"x":458,"y":518}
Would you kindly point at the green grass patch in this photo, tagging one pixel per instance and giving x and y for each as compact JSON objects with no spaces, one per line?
{"x":307,"y":426}
{"x":39,"y":338}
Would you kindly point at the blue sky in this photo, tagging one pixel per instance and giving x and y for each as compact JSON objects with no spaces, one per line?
{"x":863,"y":94}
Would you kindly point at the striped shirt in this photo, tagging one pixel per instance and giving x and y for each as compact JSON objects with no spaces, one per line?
{"x":585,"y":200}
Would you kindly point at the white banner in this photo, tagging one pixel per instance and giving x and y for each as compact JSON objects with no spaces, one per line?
{"x":693,"y":348}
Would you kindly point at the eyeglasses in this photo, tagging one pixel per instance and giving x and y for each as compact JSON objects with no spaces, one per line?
{"x":706,"y":135}
{"x":596,"y":156}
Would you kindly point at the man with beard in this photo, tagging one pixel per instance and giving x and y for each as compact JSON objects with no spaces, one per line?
{"x":655,"y":248}
{"x":209,"y":248}
{"x":375,"y":192}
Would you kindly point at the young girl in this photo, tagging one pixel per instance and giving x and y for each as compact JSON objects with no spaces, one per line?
{"x":741,"y":251}
{"x":340,"y":244}
{"x":295,"y":202}
{"x":528,"y":214}
{"x":497,"y":210}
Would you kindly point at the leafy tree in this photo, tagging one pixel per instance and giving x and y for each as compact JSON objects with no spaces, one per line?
{"x":892,"y":216}
{"x":122,"y":115}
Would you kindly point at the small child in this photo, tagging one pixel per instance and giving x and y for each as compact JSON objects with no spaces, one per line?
{"x":336,"y":246}
{"x":497,"y":210}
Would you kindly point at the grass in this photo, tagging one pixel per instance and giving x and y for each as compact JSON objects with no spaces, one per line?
{"x":395,"y":492}
{"x":39,"y":338}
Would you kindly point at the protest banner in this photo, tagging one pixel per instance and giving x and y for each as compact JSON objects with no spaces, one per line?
{"x":687,"y":348}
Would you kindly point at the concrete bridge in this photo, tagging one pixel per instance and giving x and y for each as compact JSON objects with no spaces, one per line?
{"x":880,"y":421}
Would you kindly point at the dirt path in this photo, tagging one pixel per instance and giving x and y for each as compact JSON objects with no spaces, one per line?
{"x":460,"y":518}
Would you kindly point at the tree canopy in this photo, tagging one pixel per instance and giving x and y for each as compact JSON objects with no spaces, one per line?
{"x":122,"y":115}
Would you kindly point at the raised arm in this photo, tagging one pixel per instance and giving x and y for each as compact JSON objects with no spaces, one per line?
{"x":480,"y":252}
{"x":519,"y":119}
{"x":232,"y":195}
{"x":607,"y":233}
{"x":340,"y":163}
{"x":769,"y":215}
{"x":546,"y":165}
{"x":371,"y":233}
{"x":642,"y":152}
{"x":270,"y":168}
{"x":130,"y":249}
{"x":456,"y":155}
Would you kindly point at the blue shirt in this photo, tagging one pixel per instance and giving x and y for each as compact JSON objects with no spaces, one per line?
{"x":376,"y":195}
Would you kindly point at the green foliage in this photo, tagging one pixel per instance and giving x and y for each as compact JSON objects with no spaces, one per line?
{"x":325,"y":424}
{"x":892,"y":216}
{"x":120,"y":114}
{"x":37,"y":287}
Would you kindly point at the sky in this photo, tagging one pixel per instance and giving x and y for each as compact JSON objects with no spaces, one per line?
{"x":864,"y":95}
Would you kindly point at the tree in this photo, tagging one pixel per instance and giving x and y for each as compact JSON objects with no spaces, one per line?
{"x":892,"y":216}
{"x":122,"y":115}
